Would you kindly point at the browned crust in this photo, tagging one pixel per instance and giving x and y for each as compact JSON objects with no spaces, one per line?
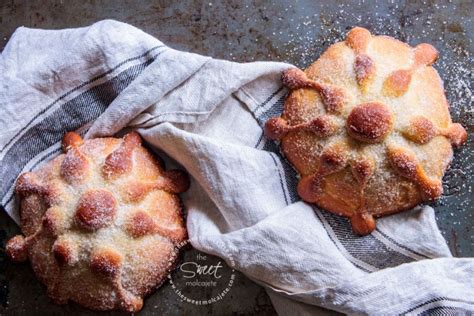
{"x":71,"y":139}
{"x":364,"y":68}
{"x":65,"y":252}
{"x":119,"y":162}
{"x":75,"y":166}
{"x":96,"y":209}
{"x":321,"y":126}
{"x":16,"y":249}
{"x":70,"y":210}
{"x":369,"y":122}
{"x":381,"y":165}
{"x":140,"y":224}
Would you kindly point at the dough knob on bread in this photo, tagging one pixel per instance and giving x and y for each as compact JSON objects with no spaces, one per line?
{"x":362,"y":223}
{"x":369,"y":122}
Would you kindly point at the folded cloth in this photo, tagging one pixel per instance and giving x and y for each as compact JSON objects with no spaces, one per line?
{"x":207,"y":115}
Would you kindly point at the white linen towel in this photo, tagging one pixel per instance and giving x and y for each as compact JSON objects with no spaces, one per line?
{"x":208,"y":114}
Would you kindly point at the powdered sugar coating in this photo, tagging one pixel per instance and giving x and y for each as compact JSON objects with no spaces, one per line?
{"x":75,"y":166}
{"x":96,"y":209}
{"x":386,"y":85}
{"x":83,"y":234}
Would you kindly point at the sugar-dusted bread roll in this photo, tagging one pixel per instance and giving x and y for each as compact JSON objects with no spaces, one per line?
{"x":101,"y":222}
{"x":367,"y":126}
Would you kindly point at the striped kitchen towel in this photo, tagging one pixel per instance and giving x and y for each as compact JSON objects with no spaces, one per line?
{"x":207,"y":115}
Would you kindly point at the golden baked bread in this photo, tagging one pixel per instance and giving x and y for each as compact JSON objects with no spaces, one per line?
{"x":101,"y":222}
{"x":367,"y":126}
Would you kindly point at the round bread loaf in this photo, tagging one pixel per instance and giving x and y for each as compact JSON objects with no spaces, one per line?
{"x":368,"y":128}
{"x":101,"y":222}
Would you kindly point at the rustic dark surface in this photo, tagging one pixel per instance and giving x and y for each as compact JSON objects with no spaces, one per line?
{"x":257,"y":30}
